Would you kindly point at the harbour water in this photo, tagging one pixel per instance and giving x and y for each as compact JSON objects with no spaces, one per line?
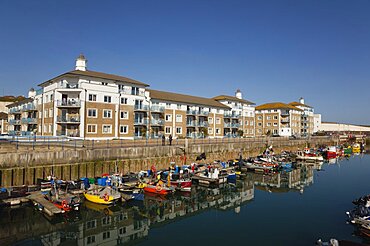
{"x":290,"y":208}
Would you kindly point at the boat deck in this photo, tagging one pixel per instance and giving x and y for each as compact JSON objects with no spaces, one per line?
{"x":48,"y":207}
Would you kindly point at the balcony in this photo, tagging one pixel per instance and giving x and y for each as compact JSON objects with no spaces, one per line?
{"x":70,"y":103}
{"x":14,"y":122}
{"x":227,"y":125}
{"x":68,"y":119}
{"x":191,"y":123}
{"x":203,"y":113}
{"x":191,"y":112}
{"x":235,"y":125}
{"x":15,"y":110}
{"x":285,"y":113}
{"x":29,"y":107}
{"x":158,"y":109}
{"x":285,"y":120}
{"x":128,"y":91}
{"x":67,"y":86}
{"x":141,"y":107}
{"x":155,"y":122}
{"x":142,"y":122}
{"x":231,"y":115}
{"x":203,"y":124}
{"x":69,"y":133}
{"x":29,"y":120}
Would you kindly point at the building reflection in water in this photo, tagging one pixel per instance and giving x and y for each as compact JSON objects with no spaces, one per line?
{"x":122,"y":224}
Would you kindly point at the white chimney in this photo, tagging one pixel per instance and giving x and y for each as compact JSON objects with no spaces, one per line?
{"x":81,"y":63}
{"x":238,"y":94}
{"x":31,"y":93}
{"x":301,"y":100}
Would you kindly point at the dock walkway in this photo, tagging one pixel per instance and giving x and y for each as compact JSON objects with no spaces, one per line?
{"x":47,"y":206}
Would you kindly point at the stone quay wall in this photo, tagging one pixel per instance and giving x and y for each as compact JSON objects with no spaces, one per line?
{"x":18,"y":169}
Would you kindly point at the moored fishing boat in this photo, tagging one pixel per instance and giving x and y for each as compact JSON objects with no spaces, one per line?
{"x":330,"y":152}
{"x":356,"y":148}
{"x":307,"y":156}
{"x":105,"y":195}
{"x":159,"y":188}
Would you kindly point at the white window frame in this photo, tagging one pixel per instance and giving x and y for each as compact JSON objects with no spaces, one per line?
{"x":210,"y":120}
{"x":96,"y":128}
{"x":268,"y":117}
{"x":92,"y":97}
{"x":109,"y":114}
{"x":124,"y":118}
{"x":102,"y":129}
{"x":124,"y":100}
{"x":170,"y":130}
{"x":218,"y":131}
{"x":169,"y":117}
{"x":177,"y":128}
{"x":122,"y":127}
{"x":107,"y":99}
{"x":218,"y":121}
{"x":210,"y":130}
{"x":178,"y":118}
{"x":96,"y":113}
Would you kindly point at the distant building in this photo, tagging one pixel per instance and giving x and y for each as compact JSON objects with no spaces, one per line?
{"x":335,"y":127}
{"x":278,"y":119}
{"x":307,"y":117}
{"x":316,"y":122}
{"x":3,"y":123}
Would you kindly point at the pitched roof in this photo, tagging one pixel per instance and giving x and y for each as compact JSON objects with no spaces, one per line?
{"x":182,"y":98}
{"x":3,"y":116}
{"x":27,"y":100}
{"x":231,"y":98}
{"x":11,"y":98}
{"x":96,"y":75}
{"x":276,"y":105}
{"x":299,"y":104}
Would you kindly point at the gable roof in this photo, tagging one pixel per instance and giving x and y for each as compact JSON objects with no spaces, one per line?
{"x":231,"y":98}
{"x":182,"y":98}
{"x":27,"y":100}
{"x":95,"y":74}
{"x":11,"y":98}
{"x":299,"y":104}
{"x":277,"y":105}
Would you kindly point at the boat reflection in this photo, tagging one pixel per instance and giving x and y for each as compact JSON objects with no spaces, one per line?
{"x":130,"y":222}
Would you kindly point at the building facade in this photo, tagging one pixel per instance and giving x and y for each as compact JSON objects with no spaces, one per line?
{"x":307,"y":117}
{"x":278,"y":119}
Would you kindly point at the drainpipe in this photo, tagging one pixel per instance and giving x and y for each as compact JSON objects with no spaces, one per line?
{"x":84,"y":118}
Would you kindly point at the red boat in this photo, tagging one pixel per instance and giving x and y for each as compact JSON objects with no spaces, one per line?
{"x":331,"y":152}
{"x":158,"y":189}
{"x":181,"y":183}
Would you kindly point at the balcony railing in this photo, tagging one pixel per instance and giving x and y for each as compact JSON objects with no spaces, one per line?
{"x":231,"y":115}
{"x":29,"y":120}
{"x":68,"y":119}
{"x":14,"y":122}
{"x":203,"y":124}
{"x":157,"y":122}
{"x":141,"y":107}
{"x":204,"y":113}
{"x":127,"y":91}
{"x":71,"y":133}
{"x":191,"y":123}
{"x":157,"y":109}
{"x":70,"y":103}
{"x":191,"y":112}
{"x":29,"y":107}
{"x":68,"y":86}
{"x":140,"y":122}
{"x":14,"y":110}
{"x":286,"y":120}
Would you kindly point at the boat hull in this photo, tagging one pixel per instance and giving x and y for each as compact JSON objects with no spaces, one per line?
{"x":157,"y":190}
{"x":98,"y":199}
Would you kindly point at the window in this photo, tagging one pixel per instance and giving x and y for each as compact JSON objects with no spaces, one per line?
{"x":123,"y":100}
{"x":90,"y":224}
{"x":107,"y":99}
{"x":106,"y":235}
{"x":275,"y":117}
{"x":178,"y":130}
{"x":124,"y":115}
{"x":246,"y":131}
{"x":251,"y":131}
{"x":45,"y":129}
{"x":268,"y":117}
{"x":92,"y":97}
{"x":168,"y":117}
{"x":107,"y":113}
{"x":178,"y":118}
{"x":275,"y":132}
{"x":90,"y":239}
{"x":121,"y":88}
{"x":218,"y":121}
{"x":168,"y":129}
{"x":275,"y":124}
{"x":259,"y":117}
{"x":269,"y":124}
{"x":91,"y":128}
{"x":210,"y":120}
{"x":51,"y":112}
{"x":218,"y":130}
{"x":91,"y":113}
{"x":46,"y":113}
{"x":104,"y":83}
{"x":50,"y":128}
{"x":259,"y":124}
{"x":106,"y":220}
{"x":135,"y":91}
{"x":40,"y":114}
{"x":107,"y":129}
{"x":246,"y":122}
{"x":210,"y":130}
{"x":259,"y":130}
{"x":123,"y":129}
{"x":122,"y":230}
{"x":51,"y":97}
{"x":252,"y":123}
{"x":168,"y":105}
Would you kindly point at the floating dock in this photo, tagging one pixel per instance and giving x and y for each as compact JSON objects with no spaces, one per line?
{"x":46,"y":206}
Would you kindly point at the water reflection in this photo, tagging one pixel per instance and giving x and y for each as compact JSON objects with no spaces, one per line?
{"x":130,"y":223}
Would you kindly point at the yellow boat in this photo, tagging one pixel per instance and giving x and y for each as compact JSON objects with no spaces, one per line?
{"x":356,"y":148}
{"x":102,"y":196}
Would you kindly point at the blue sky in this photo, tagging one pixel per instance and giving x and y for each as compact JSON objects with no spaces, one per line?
{"x":271,"y":50}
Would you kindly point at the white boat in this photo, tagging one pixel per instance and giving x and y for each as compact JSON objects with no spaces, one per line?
{"x":308,"y":157}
